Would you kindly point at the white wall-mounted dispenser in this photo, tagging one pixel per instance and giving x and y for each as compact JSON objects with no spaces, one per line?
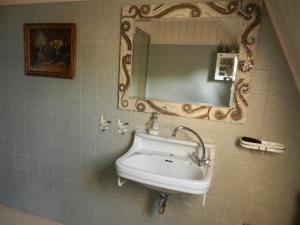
{"x":153,"y":125}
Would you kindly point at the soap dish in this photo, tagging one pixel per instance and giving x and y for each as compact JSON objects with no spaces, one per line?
{"x":261,"y":145}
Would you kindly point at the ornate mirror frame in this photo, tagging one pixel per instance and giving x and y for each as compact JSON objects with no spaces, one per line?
{"x":249,"y":12}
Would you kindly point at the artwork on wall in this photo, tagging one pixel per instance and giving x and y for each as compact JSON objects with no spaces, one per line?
{"x":50,"y":49}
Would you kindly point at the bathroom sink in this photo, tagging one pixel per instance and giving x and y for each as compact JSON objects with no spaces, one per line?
{"x":165,"y":164}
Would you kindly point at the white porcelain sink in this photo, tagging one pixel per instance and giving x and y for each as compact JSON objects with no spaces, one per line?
{"x":165,"y":164}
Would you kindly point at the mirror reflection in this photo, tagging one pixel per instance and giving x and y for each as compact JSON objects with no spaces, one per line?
{"x":186,"y":61}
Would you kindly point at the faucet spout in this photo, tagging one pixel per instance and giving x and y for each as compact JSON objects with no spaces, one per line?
{"x":202,"y":161}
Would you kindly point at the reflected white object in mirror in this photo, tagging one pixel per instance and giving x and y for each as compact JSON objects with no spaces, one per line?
{"x":226,"y":66}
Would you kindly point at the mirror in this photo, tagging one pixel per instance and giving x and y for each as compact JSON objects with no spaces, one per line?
{"x":175,"y":60}
{"x":188,"y":59}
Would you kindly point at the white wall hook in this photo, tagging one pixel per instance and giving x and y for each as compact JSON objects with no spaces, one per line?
{"x":122,"y":127}
{"x":104,"y":124}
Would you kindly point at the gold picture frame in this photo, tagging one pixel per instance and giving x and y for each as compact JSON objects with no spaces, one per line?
{"x":50,"y":49}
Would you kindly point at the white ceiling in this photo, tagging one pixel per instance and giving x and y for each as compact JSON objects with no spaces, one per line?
{"x":24,"y":2}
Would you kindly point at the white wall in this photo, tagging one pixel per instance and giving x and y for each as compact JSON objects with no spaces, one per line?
{"x":197,"y":32}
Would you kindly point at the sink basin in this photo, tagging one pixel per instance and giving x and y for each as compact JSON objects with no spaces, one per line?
{"x":165,"y":164}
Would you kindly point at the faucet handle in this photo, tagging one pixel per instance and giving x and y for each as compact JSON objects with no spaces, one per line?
{"x":195,"y":156}
{"x":203,"y":161}
{"x":206,"y":162}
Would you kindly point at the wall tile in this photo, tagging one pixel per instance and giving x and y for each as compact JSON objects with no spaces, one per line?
{"x":260,"y":81}
{"x":9,"y":159}
{"x":21,"y":162}
{"x":282,"y":84}
{"x":282,"y":108}
{"x":21,"y":178}
{"x":33,"y":165}
{"x":257,"y":105}
{"x":263,"y":59}
{"x":46,"y":168}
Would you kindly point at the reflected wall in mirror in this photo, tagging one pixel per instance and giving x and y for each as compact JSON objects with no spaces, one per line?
{"x":188,"y":59}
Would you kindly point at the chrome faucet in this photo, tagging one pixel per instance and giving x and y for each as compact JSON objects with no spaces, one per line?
{"x":201,"y":161}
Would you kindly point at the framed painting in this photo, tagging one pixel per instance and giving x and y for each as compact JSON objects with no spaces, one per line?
{"x":50,"y":49}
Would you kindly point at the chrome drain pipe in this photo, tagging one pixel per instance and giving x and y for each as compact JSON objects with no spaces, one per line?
{"x":162,"y":202}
